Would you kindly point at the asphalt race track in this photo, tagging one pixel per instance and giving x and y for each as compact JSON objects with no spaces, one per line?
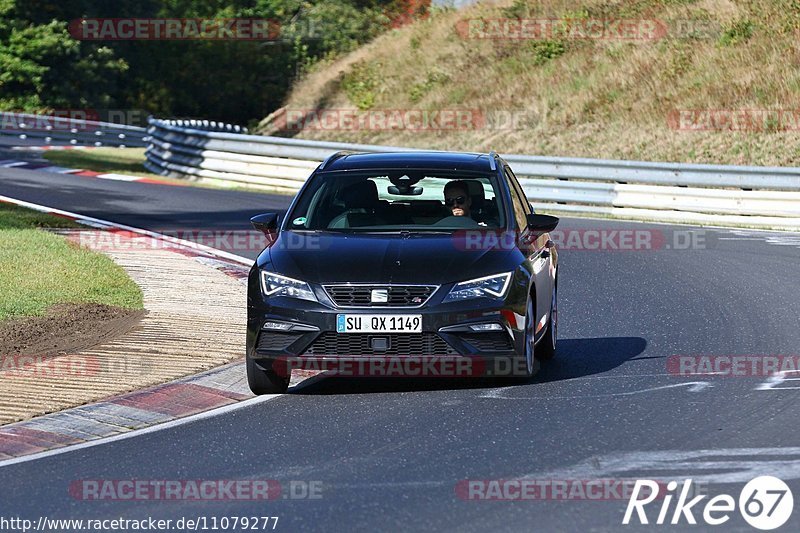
{"x":389,"y":453}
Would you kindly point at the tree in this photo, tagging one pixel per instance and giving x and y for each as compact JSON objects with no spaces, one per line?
{"x":43,"y":67}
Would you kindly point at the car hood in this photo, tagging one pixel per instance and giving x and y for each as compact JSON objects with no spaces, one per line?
{"x":383,"y":258}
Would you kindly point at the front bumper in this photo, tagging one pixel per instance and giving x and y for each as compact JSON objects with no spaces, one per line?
{"x":312,"y":338}
{"x":313,"y":333}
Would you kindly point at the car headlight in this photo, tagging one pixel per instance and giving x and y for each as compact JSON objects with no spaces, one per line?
{"x":490,"y":286}
{"x":276,"y":285}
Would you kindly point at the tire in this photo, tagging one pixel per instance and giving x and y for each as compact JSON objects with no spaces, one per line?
{"x":528,"y":356}
{"x":265,"y":381}
{"x":546,"y":349}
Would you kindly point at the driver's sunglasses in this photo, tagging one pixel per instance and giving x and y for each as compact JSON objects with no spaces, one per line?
{"x":460,"y":200}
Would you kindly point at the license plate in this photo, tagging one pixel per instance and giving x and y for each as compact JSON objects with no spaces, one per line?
{"x":378,"y":323}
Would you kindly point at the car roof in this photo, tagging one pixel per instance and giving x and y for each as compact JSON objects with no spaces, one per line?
{"x":427,"y":160}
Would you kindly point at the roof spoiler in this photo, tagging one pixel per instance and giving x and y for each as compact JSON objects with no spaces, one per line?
{"x":333,"y":157}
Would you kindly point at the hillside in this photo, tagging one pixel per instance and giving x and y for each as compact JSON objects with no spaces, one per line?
{"x":710,"y":81}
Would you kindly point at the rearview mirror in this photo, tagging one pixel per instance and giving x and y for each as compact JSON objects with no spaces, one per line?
{"x":266,"y":223}
{"x":542,"y":223}
{"x":404,"y":190}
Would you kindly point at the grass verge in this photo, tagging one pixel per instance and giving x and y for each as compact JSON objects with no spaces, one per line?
{"x":39,"y":269}
{"x":717,"y":83}
{"x":130,"y":161}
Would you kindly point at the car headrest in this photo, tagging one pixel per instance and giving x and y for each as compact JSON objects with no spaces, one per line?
{"x":361,"y":195}
{"x":476,"y":193}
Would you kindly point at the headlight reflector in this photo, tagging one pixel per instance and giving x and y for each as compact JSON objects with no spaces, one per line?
{"x":276,"y":285}
{"x":494,"y":286}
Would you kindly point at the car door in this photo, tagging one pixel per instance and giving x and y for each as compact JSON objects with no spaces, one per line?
{"x":533,"y":246}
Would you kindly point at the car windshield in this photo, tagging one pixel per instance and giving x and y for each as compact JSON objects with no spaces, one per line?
{"x":405,"y":200}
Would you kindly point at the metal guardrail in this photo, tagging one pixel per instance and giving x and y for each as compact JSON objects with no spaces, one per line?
{"x":673,"y":192}
{"x":73,"y":131}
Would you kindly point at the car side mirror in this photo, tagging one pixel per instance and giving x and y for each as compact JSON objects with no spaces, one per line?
{"x":266,"y":223}
{"x":542,"y":223}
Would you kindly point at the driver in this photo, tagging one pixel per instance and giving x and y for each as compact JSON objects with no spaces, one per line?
{"x":457,"y":199}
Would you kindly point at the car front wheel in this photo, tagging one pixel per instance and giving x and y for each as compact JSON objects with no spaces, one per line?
{"x":528,"y":364}
{"x":546,"y":349}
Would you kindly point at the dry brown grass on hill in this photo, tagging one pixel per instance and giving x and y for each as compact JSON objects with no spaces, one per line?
{"x":591,"y":97}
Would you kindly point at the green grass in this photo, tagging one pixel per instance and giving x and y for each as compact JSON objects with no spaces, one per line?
{"x":39,"y":269}
{"x":605,"y":98}
{"x":128,"y":161}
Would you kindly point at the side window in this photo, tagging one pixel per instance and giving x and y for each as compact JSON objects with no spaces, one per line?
{"x":519,"y":205}
{"x":513,"y":178}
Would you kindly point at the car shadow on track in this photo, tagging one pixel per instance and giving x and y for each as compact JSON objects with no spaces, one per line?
{"x":575,"y":358}
{"x":584,"y":357}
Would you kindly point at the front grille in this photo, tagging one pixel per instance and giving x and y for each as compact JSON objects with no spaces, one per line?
{"x":275,"y":340}
{"x":401,"y":344}
{"x":488,"y":342}
{"x":398,"y":295}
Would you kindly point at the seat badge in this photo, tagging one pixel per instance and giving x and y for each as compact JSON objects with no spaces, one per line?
{"x":379,"y":296}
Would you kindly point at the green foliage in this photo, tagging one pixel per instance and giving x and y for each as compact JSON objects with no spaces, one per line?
{"x":518,"y":9}
{"x":576,"y":14}
{"x":633,"y":8}
{"x":543,"y":51}
{"x":680,"y":61}
{"x":458,"y":94}
{"x":419,"y":90}
{"x":738,"y":32}
{"x":42,"y":67}
{"x":359,"y":84}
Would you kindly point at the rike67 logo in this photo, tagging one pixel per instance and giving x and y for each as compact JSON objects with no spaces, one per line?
{"x":765,"y":503}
